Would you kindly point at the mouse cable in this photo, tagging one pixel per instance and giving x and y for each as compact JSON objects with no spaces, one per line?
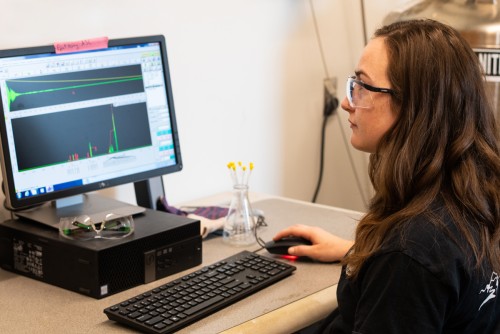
{"x":261,"y":221}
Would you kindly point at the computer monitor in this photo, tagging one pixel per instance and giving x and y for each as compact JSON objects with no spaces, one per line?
{"x":73,"y":123}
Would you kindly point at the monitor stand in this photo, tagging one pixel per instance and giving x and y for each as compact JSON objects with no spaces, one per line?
{"x":148,"y":192}
{"x":93,"y":205}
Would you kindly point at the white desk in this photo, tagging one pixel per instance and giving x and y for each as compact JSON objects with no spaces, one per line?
{"x":29,"y":306}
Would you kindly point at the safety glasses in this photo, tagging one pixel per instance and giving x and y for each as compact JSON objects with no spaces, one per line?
{"x":358,"y":93}
{"x":83,"y":228}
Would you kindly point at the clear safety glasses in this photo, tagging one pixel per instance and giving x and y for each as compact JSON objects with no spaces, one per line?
{"x":358,"y":93}
{"x":83,"y":228}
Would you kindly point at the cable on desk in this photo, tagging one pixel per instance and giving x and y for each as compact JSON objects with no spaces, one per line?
{"x":261,"y":221}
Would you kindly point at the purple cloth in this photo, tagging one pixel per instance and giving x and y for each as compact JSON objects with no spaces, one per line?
{"x":209,"y":212}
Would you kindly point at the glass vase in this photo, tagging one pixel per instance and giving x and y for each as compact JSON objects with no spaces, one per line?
{"x":240,"y":224}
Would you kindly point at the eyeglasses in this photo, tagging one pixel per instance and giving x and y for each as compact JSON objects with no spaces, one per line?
{"x":358,"y":93}
{"x":83,"y":228}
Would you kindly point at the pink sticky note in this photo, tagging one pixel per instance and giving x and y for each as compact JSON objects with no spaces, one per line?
{"x":82,"y":45}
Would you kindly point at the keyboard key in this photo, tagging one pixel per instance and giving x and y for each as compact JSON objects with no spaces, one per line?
{"x":203,"y":305}
{"x":154,"y":321}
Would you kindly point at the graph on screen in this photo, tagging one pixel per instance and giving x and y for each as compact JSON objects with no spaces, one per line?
{"x":89,"y":132}
{"x":48,"y":90}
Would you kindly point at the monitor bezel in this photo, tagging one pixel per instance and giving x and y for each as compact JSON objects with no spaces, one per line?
{"x":13,"y":203}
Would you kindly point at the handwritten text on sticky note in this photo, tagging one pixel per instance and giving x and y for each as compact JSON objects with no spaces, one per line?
{"x":82,"y":45}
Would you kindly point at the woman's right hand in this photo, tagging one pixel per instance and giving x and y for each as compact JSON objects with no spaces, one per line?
{"x":326,"y":247}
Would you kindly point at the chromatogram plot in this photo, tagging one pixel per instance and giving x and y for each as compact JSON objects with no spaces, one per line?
{"x":54,"y":89}
{"x":86,"y":133}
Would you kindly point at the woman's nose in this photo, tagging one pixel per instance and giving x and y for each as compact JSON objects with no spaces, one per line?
{"x":346,"y":106}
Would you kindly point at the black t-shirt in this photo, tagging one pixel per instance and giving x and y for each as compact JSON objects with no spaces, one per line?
{"x":421,"y":283}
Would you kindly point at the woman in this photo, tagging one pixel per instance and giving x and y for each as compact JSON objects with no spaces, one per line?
{"x":426,"y":256}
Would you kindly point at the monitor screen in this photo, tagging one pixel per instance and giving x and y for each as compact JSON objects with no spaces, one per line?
{"x":84,"y":121}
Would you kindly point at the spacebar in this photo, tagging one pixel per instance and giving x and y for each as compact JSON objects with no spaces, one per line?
{"x":203,"y":305}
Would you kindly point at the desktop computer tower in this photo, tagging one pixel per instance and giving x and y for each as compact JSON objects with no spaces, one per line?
{"x":161,"y":245}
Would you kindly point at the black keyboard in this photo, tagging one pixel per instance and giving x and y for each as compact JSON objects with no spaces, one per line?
{"x":185,"y":300}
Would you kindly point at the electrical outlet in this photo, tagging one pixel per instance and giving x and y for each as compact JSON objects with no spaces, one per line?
{"x":331,"y":102}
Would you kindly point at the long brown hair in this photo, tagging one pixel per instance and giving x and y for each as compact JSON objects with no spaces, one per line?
{"x":443,"y":145}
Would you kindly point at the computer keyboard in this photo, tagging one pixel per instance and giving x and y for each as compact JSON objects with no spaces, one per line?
{"x":183,"y":301}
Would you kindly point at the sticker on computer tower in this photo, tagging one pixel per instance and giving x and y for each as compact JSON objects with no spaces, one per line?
{"x":104,"y":290}
{"x":28,"y":257}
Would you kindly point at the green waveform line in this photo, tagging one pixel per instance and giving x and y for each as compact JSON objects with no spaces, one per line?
{"x":114,"y":130}
{"x":13,"y":95}
{"x":90,"y":150}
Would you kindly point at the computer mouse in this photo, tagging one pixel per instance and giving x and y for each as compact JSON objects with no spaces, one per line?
{"x":280,"y":247}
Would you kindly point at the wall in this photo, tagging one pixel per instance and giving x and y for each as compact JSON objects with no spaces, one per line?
{"x":247,"y":78}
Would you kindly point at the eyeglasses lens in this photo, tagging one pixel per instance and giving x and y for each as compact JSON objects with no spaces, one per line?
{"x":357,"y":95}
